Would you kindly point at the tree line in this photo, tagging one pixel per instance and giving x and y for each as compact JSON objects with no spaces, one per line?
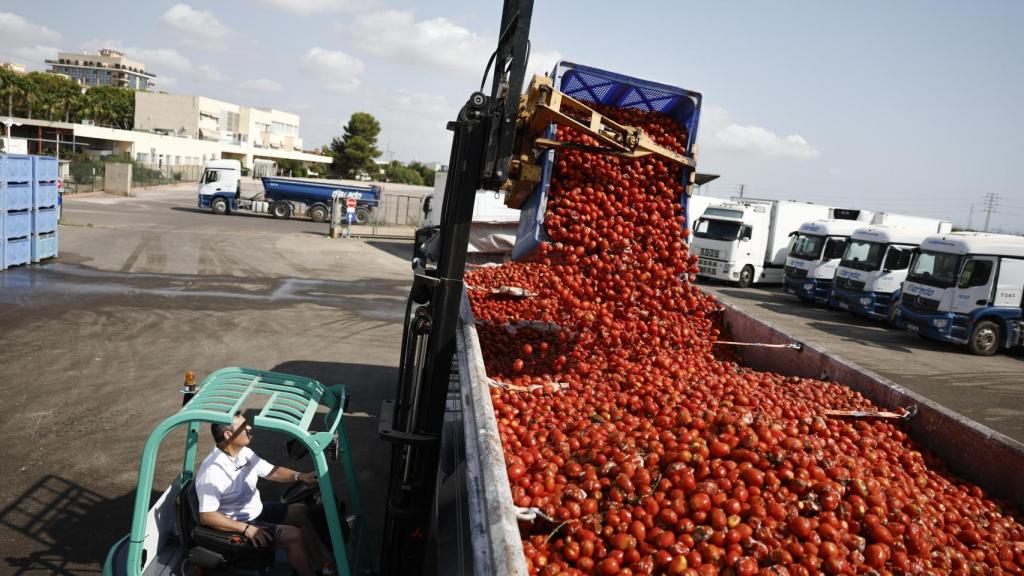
{"x":56,"y":98}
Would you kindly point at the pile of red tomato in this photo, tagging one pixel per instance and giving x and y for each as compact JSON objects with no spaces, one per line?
{"x":648,"y":449}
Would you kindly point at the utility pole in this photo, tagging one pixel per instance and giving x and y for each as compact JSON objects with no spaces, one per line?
{"x":742,"y":186}
{"x":991,"y":201}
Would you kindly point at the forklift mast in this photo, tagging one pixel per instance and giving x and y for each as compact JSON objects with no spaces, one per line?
{"x":482,"y":150}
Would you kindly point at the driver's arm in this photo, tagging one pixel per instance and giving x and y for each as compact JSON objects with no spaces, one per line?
{"x":287,"y":476}
{"x":220,"y":521}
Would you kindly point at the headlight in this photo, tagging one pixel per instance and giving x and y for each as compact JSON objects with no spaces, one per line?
{"x":940,"y":322}
{"x":808,"y":287}
{"x":865,"y":301}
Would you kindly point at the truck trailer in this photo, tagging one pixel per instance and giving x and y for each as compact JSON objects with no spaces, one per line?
{"x":869,"y":277}
{"x":966,"y":288}
{"x":220,"y":191}
{"x":746,"y":240}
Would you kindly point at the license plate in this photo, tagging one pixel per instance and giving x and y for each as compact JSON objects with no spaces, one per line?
{"x":913,"y":328}
{"x":844,"y":305}
{"x":791,"y":291}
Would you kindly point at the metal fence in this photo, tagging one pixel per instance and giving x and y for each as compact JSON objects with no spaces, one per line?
{"x":86,"y":175}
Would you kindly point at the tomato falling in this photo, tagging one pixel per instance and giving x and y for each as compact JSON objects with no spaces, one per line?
{"x":657,"y":452}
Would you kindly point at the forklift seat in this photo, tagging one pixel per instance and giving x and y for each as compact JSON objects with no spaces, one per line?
{"x":209,"y":548}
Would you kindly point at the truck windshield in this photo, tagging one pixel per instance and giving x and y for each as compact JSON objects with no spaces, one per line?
{"x":807,"y":246}
{"x":863,"y":255}
{"x":935,"y":269}
{"x":717,"y":229}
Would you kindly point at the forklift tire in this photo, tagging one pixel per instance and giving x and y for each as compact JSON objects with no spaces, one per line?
{"x":746,"y":277}
{"x":984,"y":338}
{"x":219,"y":206}
{"x":318,"y":213}
{"x":280,"y":210}
{"x":362,"y":216}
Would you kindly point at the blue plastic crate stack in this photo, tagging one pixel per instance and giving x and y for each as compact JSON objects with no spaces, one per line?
{"x":28,"y":209}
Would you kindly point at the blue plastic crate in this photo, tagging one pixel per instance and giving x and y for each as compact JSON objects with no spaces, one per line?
{"x":44,"y":169}
{"x":15,"y":196}
{"x":17,"y":252}
{"x":15,"y":168}
{"x":44,"y":194}
{"x":17,"y":224}
{"x":44,"y":246}
{"x":44,"y":220}
{"x":589,"y":84}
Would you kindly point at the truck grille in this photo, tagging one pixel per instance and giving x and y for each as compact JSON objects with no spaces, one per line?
{"x":921,"y":303}
{"x":710,"y":253}
{"x":848,"y":284}
{"x":796,"y":273}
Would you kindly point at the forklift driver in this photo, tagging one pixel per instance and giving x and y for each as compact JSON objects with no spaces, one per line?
{"x":230,"y":501}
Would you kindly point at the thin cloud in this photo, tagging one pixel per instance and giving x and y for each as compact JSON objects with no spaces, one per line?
{"x":307,"y":7}
{"x":721,"y":133}
{"x":197,"y":28}
{"x":437,"y":43}
{"x":262,"y":85}
{"x":25,"y":42}
{"x":336,"y":71}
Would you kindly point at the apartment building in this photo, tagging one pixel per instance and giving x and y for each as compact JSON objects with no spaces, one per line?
{"x":105,"y":68}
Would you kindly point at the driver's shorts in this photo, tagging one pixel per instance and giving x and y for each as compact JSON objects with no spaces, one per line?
{"x":273,"y":514}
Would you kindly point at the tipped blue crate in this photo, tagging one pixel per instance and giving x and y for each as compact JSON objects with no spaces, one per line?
{"x":44,"y":169}
{"x":15,"y":196}
{"x":16,"y":252}
{"x":44,"y":194}
{"x":44,"y":220}
{"x":589,"y":84}
{"x":15,"y":168}
{"x":17,"y":225}
{"x":44,"y":246}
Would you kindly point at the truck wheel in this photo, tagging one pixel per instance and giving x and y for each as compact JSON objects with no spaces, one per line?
{"x":892,"y":316}
{"x":362,"y":216}
{"x":280,"y":210}
{"x":318,"y":213}
{"x":219,"y":206}
{"x":746,"y":276}
{"x":984,"y":338}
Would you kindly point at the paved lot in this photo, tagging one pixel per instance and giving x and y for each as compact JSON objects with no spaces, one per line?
{"x":987,"y":390}
{"x":94,"y":348}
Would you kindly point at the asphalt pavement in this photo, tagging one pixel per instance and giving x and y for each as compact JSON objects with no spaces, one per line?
{"x":95,"y":346}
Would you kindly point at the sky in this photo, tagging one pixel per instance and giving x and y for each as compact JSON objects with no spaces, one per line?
{"x":914,"y":106}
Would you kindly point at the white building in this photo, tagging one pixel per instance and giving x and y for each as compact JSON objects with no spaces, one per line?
{"x":257,"y":132}
{"x":105,"y":68}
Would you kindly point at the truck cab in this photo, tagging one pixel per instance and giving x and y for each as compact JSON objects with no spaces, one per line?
{"x":220,"y":186}
{"x":814,"y":256}
{"x":966,"y":288}
{"x":725,"y":241}
{"x":870,"y":275}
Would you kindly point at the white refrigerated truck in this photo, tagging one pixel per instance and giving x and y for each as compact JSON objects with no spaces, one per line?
{"x":746,"y":240}
{"x":873,"y":268}
{"x":966,"y":288}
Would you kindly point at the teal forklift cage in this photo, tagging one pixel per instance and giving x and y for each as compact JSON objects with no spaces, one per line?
{"x":290,"y":405}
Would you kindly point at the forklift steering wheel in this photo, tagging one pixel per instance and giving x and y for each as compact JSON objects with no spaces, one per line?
{"x":300,"y":491}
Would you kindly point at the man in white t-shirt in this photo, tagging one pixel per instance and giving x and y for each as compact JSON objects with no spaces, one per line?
{"x":230,"y":501}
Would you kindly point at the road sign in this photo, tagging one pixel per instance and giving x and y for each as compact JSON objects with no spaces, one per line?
{"x":351,"y":202}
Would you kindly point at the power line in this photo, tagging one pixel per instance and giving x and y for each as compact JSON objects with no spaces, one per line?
{"x":991,"y":201}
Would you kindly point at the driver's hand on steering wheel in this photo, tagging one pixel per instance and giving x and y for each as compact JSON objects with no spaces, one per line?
{"x":258,"y":536}
{"x":309,"y":478}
